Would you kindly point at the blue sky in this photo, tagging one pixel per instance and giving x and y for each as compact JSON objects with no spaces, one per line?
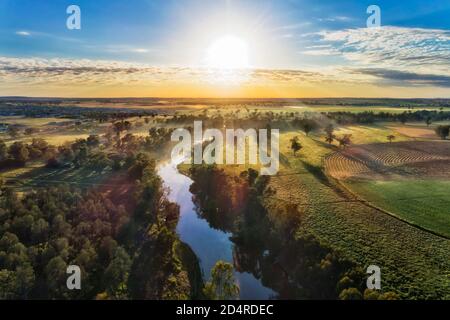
{"x":316,"y":39}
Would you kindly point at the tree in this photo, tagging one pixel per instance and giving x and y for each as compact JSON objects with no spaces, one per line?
{"x":403,"y":117}
{"x":24,"y":280}
{"x":222,"y":285}
{"x":116,"y":274}
{"x":350,"y":294}
{"x":19,"y":152}
{"x":7,"y":284}
{"x":428,"y":121}
{"x":3,"y":150}
{"x":295,"y":145}
{"x":443,"y":131}
{"x":390,"y":137}
{"x":55,"y":273}
{"x":307,"y":127}
{"x":389,"y":296}
{"x":329,"y":134}
{"x":66,"y":154}
{"x":93,"y":140}
{"x":13,"y":131}
{"x":345,"y":140}
{"x":138,"y":166}
{"x":30,"y":131}
{"x":371,"y":294}
{"x":120,"y":126}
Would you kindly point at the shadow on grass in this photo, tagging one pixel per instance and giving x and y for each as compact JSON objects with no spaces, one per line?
{"x":43,"y":176}
{"x":319,"y":174}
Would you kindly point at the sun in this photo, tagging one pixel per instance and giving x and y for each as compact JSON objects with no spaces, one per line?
{"x":228,"y":52}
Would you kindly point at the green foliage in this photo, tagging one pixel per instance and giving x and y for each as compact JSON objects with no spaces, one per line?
{"x":296,"y":145}
{"x":350,"y":294}
{"x":116,"y":274}
{"x":19,"y":152}
{"x":443,"y":131}
{"x":329,"y":134}
{"x":3,"y":150}
{"x":222,"y":285}
{"x":344,"y":140}
{"x":45,"y":230}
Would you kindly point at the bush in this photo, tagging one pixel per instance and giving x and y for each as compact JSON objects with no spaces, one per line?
{"x":350,"y":294}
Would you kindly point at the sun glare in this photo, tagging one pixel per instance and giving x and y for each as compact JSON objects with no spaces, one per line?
{"x":228,"y":52}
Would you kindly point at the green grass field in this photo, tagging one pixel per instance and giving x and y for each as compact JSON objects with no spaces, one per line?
{"x":422,"y":202}
{"x":37,"y":175}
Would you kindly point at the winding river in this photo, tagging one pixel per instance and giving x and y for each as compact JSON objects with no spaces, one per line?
{"x":209,"y":244}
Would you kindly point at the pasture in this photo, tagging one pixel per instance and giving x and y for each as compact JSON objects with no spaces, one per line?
{"x":425,"y":203}
{"x":362,"y":232}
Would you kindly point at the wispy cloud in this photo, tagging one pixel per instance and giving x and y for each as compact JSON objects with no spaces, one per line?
{"x":294,"y":26}
{"x":399,"y":78}
{"x":85,"y":71}
{"x":23,"y":33}
{"x":28,"y":72}
{"x":334,"y":19}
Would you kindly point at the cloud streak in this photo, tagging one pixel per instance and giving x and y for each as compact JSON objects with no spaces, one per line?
{"x":34,"y":72}
{"x":23,"y":33}
{"x":399,"y":78}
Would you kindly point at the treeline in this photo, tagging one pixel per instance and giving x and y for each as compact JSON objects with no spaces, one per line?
{"x":287,"y":120}
{"x":111,"y":150}
{"x":124,"y":250}
{"x":268,"y":241}
{"x":368,"y":117}
{"x":19,"y":153}
{"x":36,"y":110}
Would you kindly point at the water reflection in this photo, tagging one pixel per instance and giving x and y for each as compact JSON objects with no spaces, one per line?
{"x":209,"y":244}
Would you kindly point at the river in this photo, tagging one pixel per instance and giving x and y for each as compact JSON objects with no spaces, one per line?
{"x":209,"y":244}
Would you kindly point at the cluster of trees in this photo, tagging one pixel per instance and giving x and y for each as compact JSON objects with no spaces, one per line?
{"x":443,"y":131}
{"x":49,"y":229}
{"x":82,"y":152}
{"x":343,"y":140}
{"x":15,"y":130}
{"x":123,"y":253}
{"x":305,"y":124}
{"x":157,"y":137}
{"x":18,"y":153}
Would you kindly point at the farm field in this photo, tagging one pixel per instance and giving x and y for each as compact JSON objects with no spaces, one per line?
{"x":408,"y":179}
{"x":37,"y":175}
{"x":361,"y":232}
{"x":425,"y":203}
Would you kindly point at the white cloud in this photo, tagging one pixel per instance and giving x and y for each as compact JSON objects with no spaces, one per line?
{"x":337,"y":18}
{"x":23,"y":33}
{"x":405,"y":49}
{"x":105,"y":72}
